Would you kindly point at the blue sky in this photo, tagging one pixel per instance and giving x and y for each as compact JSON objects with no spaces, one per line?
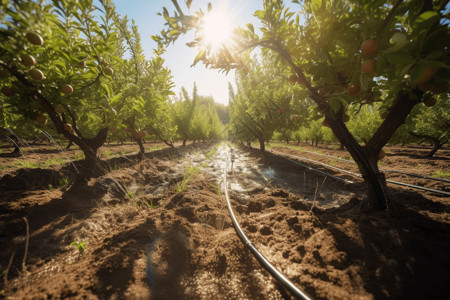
{"x":179,"y":57}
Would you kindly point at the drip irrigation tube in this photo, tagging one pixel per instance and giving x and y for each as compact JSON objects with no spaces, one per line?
{"x":288,"y":285}
{"x":384,"y":170}
{"x":358,"y":175}
{"x":317,"y":162}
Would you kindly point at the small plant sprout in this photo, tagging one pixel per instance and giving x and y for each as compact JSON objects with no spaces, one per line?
{"x":80,"y":246}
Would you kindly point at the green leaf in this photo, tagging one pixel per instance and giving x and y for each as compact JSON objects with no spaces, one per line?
{"x":199,"y":56}
{"x":174,"y":32}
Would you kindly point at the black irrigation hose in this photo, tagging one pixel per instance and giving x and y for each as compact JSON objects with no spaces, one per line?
{"x":384,"y":170}
{"x":317,"y":162}
{"x":358,"y":175}
{"x":288,"y":285}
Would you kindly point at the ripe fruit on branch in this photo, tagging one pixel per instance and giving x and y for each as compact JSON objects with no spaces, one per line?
{"x":430,"y":102}
{"x":323,"y":91}
{"x":4,"y":73}
{"x":59,"y":108}
{"x":34,"y":38}
{"x":369,"y":47}
{"x":41,"y":119}
{"x":108,"y":71}
{"x":345,"y":118}
{"x":67,"y":89}
{"x":68,"y":127}
{"x":36,"y":74}
{"x":368,"y":66}
{"x":8,"y":92}
{"x":427,"y":75}
{"x":353,"y":89}
{"x":81,"y":64}
{"x":28,"y":60}
{"x":293,"y":78}
{"x":381,"y":155}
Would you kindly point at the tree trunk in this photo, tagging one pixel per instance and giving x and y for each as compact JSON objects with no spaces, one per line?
{"x":262,"y":145}
{"x":141,"y":147}
{"x":89,"y":148}
{"x":434,"y":141}
{"x":184,"y":142}
{"x":367,"y":157}
{"x":69,"y":145}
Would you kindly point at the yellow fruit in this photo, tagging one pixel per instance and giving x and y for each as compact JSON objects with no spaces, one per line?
{"x":36,"y":74}
{"x":34,"y":38}
{"x":8,"y":92}
{"x":108,"y":71}
{"x":397,"y":37}
{"x":368,"y":66}
{"x":427,"y":75}
{"x":28,"y":60}
{"x":59,"y":108}
{"x":430,"y":102}
{"x":369,"y":47}
{"x":68,"y":127}
{"x":353,"y":89}
{"x":67,"y":89}
{"x":41,"y":119}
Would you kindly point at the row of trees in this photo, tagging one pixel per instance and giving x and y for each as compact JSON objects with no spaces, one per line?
{"x":82,"y":67}
{"x":342,"y":54}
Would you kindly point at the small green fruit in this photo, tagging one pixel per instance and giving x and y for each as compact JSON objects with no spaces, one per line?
{"x":28,"y":60}
{"x":34,"y":38}
{"x":36,"y":74}
{"x":67,"y":89}
{"x":108,"y":71}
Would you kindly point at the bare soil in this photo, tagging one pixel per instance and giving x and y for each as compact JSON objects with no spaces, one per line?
{"x":158,"y":228}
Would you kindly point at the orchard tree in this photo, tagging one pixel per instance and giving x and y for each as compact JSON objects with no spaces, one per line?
{"x":183,"y":112}
{"x":261,"y":102}
{"x":346,"y":52}
{"x":143,"y":87}
{"x":58,"y":65}
{"x":432,"y":123}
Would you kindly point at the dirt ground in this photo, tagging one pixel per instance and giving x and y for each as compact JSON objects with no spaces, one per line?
{"x":158,"y":228}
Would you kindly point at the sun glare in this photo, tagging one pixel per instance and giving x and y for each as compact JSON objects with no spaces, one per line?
{"x":216,"y":29}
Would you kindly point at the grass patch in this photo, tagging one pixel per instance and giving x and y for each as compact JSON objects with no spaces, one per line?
{"x":441,"y":174}
{"x":188,"y":174}
{"x":54,"y":162}
{"x":216,"y":189}
{"x":20,"y":163}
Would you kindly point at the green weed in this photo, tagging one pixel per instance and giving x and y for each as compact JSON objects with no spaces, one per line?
{"x":54,"y":161}
{"x":216,"y":189}
{"x":441,"y":174}
{"x":80,"y":246}
{"x":188,"y":174}
{"x":64,"y":181}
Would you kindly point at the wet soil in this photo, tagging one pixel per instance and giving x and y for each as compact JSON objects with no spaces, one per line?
{"x":158,"y":228}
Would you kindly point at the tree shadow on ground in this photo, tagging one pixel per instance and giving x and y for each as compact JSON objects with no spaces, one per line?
{"x":403,"y":253}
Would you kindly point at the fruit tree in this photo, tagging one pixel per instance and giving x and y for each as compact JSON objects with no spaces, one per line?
{"x":346,"y":53}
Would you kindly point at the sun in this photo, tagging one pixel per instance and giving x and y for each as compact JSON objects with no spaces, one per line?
{"x":216,"y":30}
